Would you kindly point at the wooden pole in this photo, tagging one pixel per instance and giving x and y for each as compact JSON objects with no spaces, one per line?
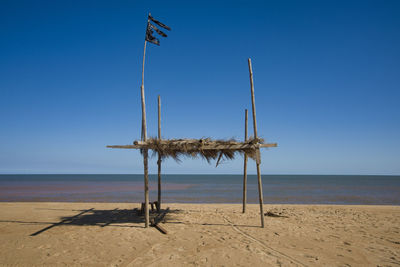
{"x":253,"y":104}
{"x":245,"y":163}
{"x":159,"y":117}
{"x":159,"y":156}
{"x":145,"y":151}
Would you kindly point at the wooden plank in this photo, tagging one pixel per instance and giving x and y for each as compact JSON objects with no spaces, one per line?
{"x":245,"y":163}
{"x":156,"y":222}
{"x":158,"y":227}
{"x":268,"y":145}
{"x":253,"y":104}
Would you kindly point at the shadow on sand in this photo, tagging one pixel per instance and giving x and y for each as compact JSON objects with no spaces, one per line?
{"x":103,"y":218}
{"x":130,"y":218}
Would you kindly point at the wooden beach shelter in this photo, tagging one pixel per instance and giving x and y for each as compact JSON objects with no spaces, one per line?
{"x":206,"y":148}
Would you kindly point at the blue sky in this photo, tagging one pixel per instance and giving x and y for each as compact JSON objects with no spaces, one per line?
{"x":326,"y":76}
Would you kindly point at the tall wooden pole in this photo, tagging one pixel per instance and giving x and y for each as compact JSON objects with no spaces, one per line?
{"x":245,"y":163}
{"x":159,"y":156}
{"x":144,"y":131}
{"x":258,"y":161}
{"x":145,"y":151}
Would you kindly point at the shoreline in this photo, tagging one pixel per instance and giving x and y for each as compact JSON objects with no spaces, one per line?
{"x":198,"y":203}
{"x":104,"y":234}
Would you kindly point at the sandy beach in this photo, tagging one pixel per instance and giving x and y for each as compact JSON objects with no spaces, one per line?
{"x":102,"y":234}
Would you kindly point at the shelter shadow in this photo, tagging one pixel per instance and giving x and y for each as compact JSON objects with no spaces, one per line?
{"x":103,"y":218}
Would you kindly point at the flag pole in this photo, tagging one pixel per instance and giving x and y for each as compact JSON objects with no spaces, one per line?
{"x":144,"y":138}
{"x":144,"y":132}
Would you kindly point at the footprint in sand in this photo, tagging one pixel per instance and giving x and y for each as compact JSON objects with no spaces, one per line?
{"x":311,"y":256}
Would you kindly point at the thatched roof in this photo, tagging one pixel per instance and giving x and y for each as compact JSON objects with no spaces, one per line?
{"x":205,"y":148}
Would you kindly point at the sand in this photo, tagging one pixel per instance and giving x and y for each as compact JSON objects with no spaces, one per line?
{"x":105,"y":234}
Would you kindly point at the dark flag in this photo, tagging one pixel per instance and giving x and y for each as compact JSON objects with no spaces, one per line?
{"x":150,"y":27}
{"x":159,"y":23}
{"x":157,"y":30}
{"x":149,"y":35}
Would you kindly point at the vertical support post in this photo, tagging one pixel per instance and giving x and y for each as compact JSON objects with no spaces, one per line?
{"x":145,"y":151}
{"x":159,"y":156}
{"x":146,"y":188}
{"x":253,"y":104}
{"x":245,"y":163}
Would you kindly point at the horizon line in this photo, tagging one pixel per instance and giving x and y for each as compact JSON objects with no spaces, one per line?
{"x":199,"y":174}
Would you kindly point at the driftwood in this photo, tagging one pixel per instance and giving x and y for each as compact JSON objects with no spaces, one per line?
{"x":155,"y":222}
{"x":271,"y":214}
{"x":158,"y":226}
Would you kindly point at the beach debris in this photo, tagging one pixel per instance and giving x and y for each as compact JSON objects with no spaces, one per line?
{"x":271,"y":214}
{"x":158,"y":226}
{"x":155,"y":222}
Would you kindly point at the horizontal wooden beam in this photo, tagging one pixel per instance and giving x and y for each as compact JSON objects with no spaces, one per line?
{"x":126,"y":146}
{"x":210,"y":146}
{"x":268,"y":145}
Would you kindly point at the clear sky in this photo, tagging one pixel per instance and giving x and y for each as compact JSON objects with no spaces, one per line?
{"x":326,"y":76}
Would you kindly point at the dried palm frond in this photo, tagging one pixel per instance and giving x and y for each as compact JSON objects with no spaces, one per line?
{"x":205,"y":148}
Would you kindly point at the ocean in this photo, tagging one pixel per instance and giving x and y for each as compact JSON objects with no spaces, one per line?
{"x":284,"y":189}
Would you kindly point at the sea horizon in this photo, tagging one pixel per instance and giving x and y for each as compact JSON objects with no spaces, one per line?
{"x":200,"y":174}
{"x":202,"y":188}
